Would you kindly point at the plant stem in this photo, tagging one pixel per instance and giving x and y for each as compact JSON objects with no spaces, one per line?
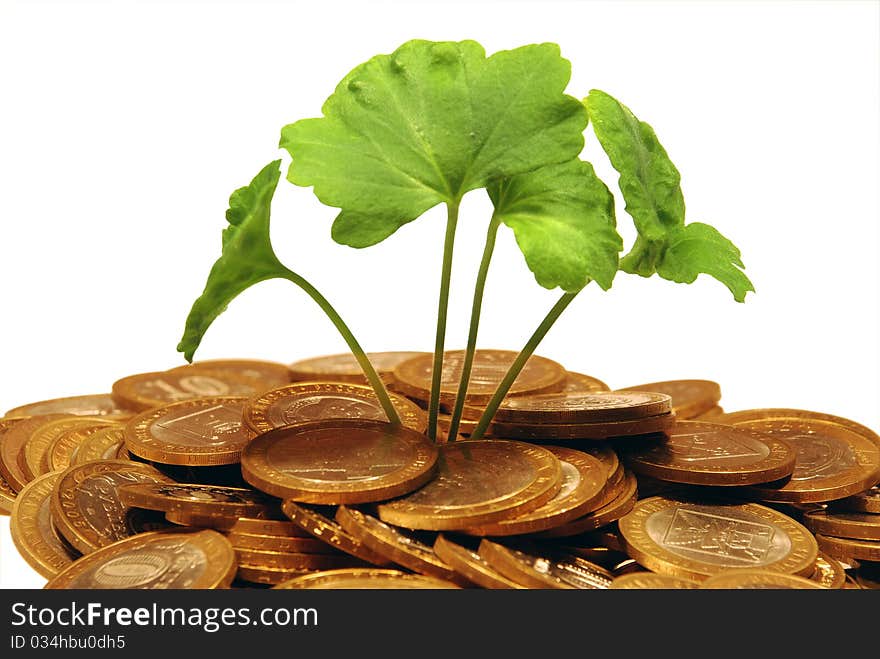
{"x":442,"y":305}
{"x":474,"y":327}
{"x":353,"y":345}
{"x":520,"y":361}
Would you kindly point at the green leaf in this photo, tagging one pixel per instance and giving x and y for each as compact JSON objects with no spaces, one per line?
{"x":650,"y":185}
{"x":563,"y":219}
{"x":426,"y":124}
{"x":247,"y":257}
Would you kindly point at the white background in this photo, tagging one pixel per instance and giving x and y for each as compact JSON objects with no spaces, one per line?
{"x":125,"y":126}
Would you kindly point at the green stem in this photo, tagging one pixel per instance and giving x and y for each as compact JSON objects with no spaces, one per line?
{"x":520,"y":361}
{"x":443,"y":304}
{"x":353,"y":345}
{"x":474,"y":327}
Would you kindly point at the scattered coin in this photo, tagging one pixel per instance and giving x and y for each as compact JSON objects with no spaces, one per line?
{"x":62,"y":450}
{"x":320,"y":401}
{"x":323,"y":527}
{"x":157,"y":560}
{"x":859,"y":526}
{"x":197,"y":499}
{"x":755,"y":579}
{"x":829,"y":573}
{"x":471,"y":565}
{"x":266,"y":575}
{"x":90,"y":405}
{"x":250,"y":525}
{"x":478,"y":482}
{"x":103,"y":444}
{"x":713,"y":414}
{"x":365,"y":578}
{"x":345,"y":367}
{"x":690,"y":398}
{"x":145,"y":390}
{"x":599,"y":430}
{"x":612,"y":511}
{"x":562,"y":408}
{"x":14,"y":435}
{"x":864,"y":502}
{"x":564,"y":572}
{"x":291,"y":545}
{"x":846,"y":549}
{"x":651,"y":581}
{"x":35,"y":457}
{"x":278,"y":560}
{"x":271,"y":374}
{"x":339,"y":461}
{"x":578,"y":383}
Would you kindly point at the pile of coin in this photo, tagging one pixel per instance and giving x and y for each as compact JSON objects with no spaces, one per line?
{"x":242,"y":473}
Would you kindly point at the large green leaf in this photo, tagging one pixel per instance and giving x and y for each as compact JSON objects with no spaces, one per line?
{"x":563,"y":219}
{"x":426,"y":124}
{"x":650,"y":185}
{"x":247,"y":257}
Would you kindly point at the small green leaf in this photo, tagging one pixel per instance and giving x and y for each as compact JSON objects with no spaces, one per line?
{"x":563,"y":219}
{"x":650,"y":185}
{"x":426,"y":124}
{"x":247,"y":257}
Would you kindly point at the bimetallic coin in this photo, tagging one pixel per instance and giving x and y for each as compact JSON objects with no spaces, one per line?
{"x":612,"y":511}
{"x":323,"y":527}
{"x":539,"y":375}
{"x":734,"y":418}
{"x":104,"y":444}
{"x":690,"y":398}
{"x":582,"y":490}
{"x":863,"y":502}
{"x":250,"y":525}
{"x":271,"y":374}
{"x":828,"y":573}
{"x":478,"y":482}
{"x":279,"y":543}
{"x":600,"y":430}
{"x":696,"y":540}
{"x":758,"y":579}
{"x":198,"y":432}
{"x":832,"y":460}
{"x":397,"y":545}
{"x":101,"y":405}
{"x":156,"y":560}
{"x":36,"y":449}
{"x":345,"y":367}
{"x":62,"y":450}
{"x":847,"y":549}
{"x":85,"y":503}
{"x":563,"y":571}
{"x":197,"y":499}
{"x":339,"y":461}
{"x":859,"y":526}
{"x":712,"y":414}
{"x":651,"y":581}
{"x":14,"y":435}
{"x":7,"y":497}
{"x":145,"y":390}
{"x":365,"y":579}
{"x":565,"y":408}
{"x":303,"y":402}
{"x":279,"y":560}
{"x":578,"y":383}
{"x":34,"y":533}
{"x":700,"y":453}
{"x":471,"y":565}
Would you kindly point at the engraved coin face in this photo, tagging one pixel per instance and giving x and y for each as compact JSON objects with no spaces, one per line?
{"x":345,"y":367}
{"x":651,"y":581}
{"x":578,"y":383}
{"x":339,"y":461}
{"x":271,"y":374}
{"x":365,"y":578}
{"x":690,"y":398}
{"x":197,"y":499}
{"x":103,"y":444}
{"x":684,"y":538}
{"x":539,"y":374}
{"x":586,"y":408}
{"x":36,"y":450}
{"x":618,"y":506}
{"x":702,"y":453}
{"x":155,"y":560}
{"x":759,"y":580}
{"x":562,"y":571}
{"x":91,"y":405}
{"x":320,"y":401}
{"x":14,"y":436}
{"x":478,"y":482}
{"x":473,"y":566}
{"x":202,"y":432}
{"x":145,"y":390}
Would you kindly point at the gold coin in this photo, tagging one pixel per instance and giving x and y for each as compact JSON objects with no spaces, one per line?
{"x":832,"y":460}
{"x":339,"y":461}
{"x":279,"y":560}
{"x":600,"y":430}
{"x":365,"y":579}
{"x":701,"y":453}
{"x":85,"y":503}
{"x":197,"y":499}
{"x":712,"y":414}
{"x":103,"y":444}
{"x":578,"y":383}
{"x":604,"y":454}
{"x":859,"y":526}
{"x":266,"y":575}
{"x":734,"y":418}
{"x":396,"y":545}
{"x":271,"y":374}
{"x":7,"y":497}
{"x":690,"y":398}
{"x":471,"y":565}
{"x":562,"y":572}
{"x":14,"y":435}
{"x":583,"y":483}
{"x":758,"y":579}
{"x":345,"y":367}
{"x":249,"y":525}
{"x":156,"y":560}
{"x":622,"y":504}
{"x":302,"y":402}
{"x":863,"y":502}
{"x":846,"y":549}
{"x":62,"y":450}
{"x":562,"y":408}
{"x":696,"y":540}
{"x":101,"y":405}
{"x":539,"y":375}
{"x":828,"y":573}
{"x":279,"y":543}
{"x":651,"y":581}
{"x":198,"y":432}
{"x":34,"y":533}
{"x":323,"y":527}
{"x":145,"y":390}
{"x":36,"y":449}
{"x":478,"y":482}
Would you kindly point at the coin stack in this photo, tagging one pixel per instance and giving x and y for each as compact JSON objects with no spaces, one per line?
{"x":242,"y":473}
